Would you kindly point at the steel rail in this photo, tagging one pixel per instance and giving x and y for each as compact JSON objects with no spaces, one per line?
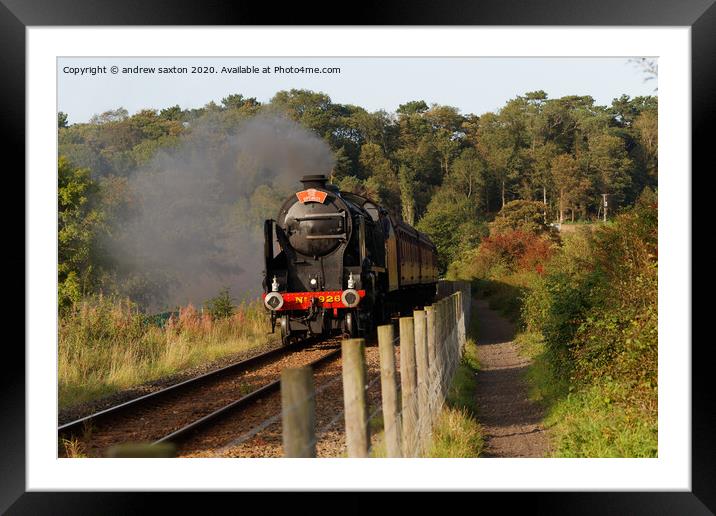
{"x":78,"y":425}
{"x":267,"y":389}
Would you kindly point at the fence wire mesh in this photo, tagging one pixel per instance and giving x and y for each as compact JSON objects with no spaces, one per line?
{"x":417,"y":410}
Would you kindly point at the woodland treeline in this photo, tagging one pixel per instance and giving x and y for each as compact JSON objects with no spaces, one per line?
{"x":446,"y":172}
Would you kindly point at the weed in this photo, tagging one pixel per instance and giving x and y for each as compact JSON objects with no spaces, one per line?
{"x":106,"y":345}
{"x":457,"y":432}
{"x":74,"y":449}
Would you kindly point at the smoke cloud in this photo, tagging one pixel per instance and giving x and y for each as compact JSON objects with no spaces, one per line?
{"x":195,"y":223}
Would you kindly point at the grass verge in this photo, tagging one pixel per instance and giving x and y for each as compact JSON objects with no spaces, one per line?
{"x":605,"y":419}
{"x":457,"y":432}
{"x":105,"y":346}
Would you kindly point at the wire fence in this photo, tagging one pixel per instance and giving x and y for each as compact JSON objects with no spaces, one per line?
{"x":431,"y":344}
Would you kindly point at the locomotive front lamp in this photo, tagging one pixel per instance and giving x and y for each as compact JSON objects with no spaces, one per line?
{"x":314,"y":282}
{"x":273,"y":301}
{"x":350,"y":298}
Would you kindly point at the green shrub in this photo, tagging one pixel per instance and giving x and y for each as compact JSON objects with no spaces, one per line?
{"x":519,"y":215}
{"x":589,"y":309}
{"x":596,"y":309}
{"x":221,"y":306}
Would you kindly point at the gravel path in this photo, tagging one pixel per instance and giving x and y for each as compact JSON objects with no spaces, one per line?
{"x":511,"y":421}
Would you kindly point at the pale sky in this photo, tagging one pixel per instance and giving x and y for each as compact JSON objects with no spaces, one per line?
{"x":473,"y":85}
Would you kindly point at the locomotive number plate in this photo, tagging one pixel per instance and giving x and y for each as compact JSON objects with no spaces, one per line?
{"x":302,"y":300}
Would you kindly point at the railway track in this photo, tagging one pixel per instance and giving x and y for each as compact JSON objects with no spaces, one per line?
{"x":257,"y":432}
{"x":176,"y":412}
{"x":274,"y":386}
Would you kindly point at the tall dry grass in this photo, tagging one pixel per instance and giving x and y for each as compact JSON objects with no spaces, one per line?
{"x":106,"y":345}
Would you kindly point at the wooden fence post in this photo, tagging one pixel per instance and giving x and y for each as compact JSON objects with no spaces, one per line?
{"x":408,"y":386}
{"x":423,"y":378}
{"x":453,"y":336}
{"x":441,"y":348}
{"x":462,"y":329}
{"x":456,"y":323}
{"x":432,"y":360}
{"x":298,"y":409}
{"x":389,"y":391}
{"x":448,"y":343}
{"x":354,"y":397}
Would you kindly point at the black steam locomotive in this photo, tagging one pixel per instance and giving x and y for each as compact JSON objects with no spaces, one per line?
{"x":342,"y":263}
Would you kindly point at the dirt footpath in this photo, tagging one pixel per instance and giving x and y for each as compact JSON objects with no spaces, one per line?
{"x":512,"y":422}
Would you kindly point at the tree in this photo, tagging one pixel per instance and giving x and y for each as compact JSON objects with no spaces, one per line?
{"x":61,"y":120}
{"x":171,"y":113}
{"x":564,"y":174}
{"x":446,"y":124}
{"x":377,"y":167}
{"x":113,"y":115}
{"x":612,"y":167}
{"x":496,"y":151}
{"x":451,"y":221}
{"x":406,"y":178}
{"x":313,"y":110}
{"x":78,"y":221}
{"x":647,"y":126}
{"x":467,"y":177}
{"x":237,"y":101}
{"x":411,"y":108}
{"x":375,"y":128}
{"x":221,"y":306}
{"x":541,"y":156}
{"x":519,"y":215}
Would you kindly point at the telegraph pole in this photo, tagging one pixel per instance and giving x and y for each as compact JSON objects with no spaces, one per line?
{"x":604,"y":196}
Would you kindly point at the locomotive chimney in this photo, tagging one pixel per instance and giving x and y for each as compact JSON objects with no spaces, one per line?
{"x":314,"y":181}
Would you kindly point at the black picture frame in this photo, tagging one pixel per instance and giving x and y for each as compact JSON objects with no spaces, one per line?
{"x":16,"y":15}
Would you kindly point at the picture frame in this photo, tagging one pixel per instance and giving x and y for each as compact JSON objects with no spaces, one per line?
{"x":700,"y":15}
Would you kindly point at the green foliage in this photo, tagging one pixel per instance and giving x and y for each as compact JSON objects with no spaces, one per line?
{"x":444,"y":171}
{"x":171,"y":113}
{"x":451,"y":222}
{"x":596,"y":314}
{"x":605,"y":419}
{"x":457,"y":432}
{"x":527,"y":216}
{"x":589,"y":309}
{"x":456,"y":435}
{"x":79,"y":222}
{"x":221,"y":306}
{"x":597,"y":305}
{"x":518,"y":245}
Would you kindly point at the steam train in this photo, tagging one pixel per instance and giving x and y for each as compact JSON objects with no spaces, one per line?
{"x":336,"y":261}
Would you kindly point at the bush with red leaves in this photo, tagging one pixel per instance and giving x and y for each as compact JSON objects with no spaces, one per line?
{"x":516,"y":250}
